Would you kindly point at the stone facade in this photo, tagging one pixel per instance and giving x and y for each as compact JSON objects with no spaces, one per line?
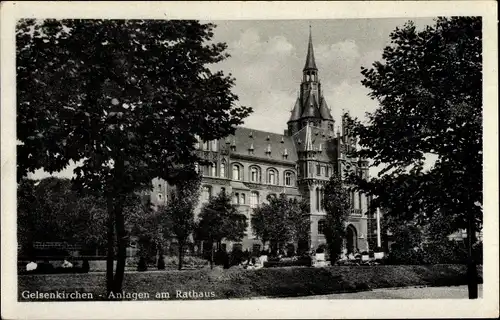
{"x":252,"y":164}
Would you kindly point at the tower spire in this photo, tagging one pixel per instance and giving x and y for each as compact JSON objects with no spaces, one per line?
{"x":310,"y":61}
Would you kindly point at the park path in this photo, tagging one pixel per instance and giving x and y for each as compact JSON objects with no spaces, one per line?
{"x":454,"y":292}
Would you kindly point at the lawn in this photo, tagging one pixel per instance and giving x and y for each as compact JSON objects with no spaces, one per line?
{"x":238,"y":283}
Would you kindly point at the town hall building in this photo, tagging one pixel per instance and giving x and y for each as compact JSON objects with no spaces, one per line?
{"x":252,"y":164}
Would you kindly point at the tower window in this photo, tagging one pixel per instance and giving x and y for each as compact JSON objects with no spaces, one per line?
{"x":321,"y":226}
{"x":288,"y":178}
{"x":223,"y":169}
{"x":318,"y":170}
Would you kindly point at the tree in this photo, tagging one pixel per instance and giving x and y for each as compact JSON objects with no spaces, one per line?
{"x":143,"y":223}
{"x":178,"y":214}
{"x":50,"y":210}
{"x":280,"y":221}
{"x":220,"y":220}
{"x":337,"y":206}
{"x":116,"y":97}
{"x":429,"y":87}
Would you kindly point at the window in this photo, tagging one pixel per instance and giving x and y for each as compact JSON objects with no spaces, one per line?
{"x":327,"y":171}
{"x":223,"y":190}
{"x":206,"y":145}
{"x":288,"y":178}
{"x":321,"y":226}
{"x":271,"y":176}
{"x":236,"y":172}
{"x":206,"y":194}
{"x":317,"y":198}
{"x":214,"y":145}
{"x":318,"y":170}
{"x":236,"y":198}
{"x":213,"y":170}
{"x":242,"y":198}
{"x":160,"y":197}
{"x":222,"y":169}
{"x":323,"y":171}
{"x":254,"y":174}
{"x":254,"y":199}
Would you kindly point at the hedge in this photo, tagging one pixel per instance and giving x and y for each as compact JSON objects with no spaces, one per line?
{"x":241,"y":283}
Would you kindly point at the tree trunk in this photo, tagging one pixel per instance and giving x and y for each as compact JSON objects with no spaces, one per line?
{"x":181,"y":247}
{"x":111,"y":246}
{"x":471,"y":261}
{"x":122,"y":245}
{"x":211,"y":255}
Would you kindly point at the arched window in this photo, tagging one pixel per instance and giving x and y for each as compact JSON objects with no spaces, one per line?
{"x":237,"y":172}
{"x":255,"y":174}
{"x":213,"y":170}
{"x":222,"y":169}
{"x":206,"y":193}
{"x":321,"y":226}
{"x":254,"y":199}
{"x":242,"y":198}
{"x":236,"y":198}
{"x":289,"y":179}
{"x":272,"y":176}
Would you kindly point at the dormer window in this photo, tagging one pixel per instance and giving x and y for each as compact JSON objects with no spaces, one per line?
{"x":250,"y":149}
{"x":233,"y":145}
{"x":268,"y":150}
{"x":285,"y":154}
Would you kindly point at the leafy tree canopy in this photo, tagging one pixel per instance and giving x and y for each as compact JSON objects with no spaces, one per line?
{"x":337,"y":206}
{"x":219,"y":219}
{"x":429,"y":88}
{"x":50,"y":210}
{"x":126,"y":97}
{"x":281,"y":220}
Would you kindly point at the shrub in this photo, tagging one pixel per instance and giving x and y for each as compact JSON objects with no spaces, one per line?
{"x":85,"y":266}
{"x":161,"y":263}
{"x":142,"y":265}
{"x":445,"y":251}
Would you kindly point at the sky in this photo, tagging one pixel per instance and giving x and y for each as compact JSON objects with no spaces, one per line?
{"x":267,"y":58}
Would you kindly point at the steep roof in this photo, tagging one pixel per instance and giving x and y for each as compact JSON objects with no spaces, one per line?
{"x":311,"y":107}
{"x":312,"y":138}
{"x":324,"y":110}
{"x":262,"y":141}
{"x":310,"y":61}
{"x":295,"y":111}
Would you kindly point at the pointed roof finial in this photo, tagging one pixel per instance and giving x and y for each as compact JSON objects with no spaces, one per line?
{"x":310,"y":61}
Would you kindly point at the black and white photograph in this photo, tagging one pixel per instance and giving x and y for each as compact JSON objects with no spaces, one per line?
{"x":193,"y":157}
